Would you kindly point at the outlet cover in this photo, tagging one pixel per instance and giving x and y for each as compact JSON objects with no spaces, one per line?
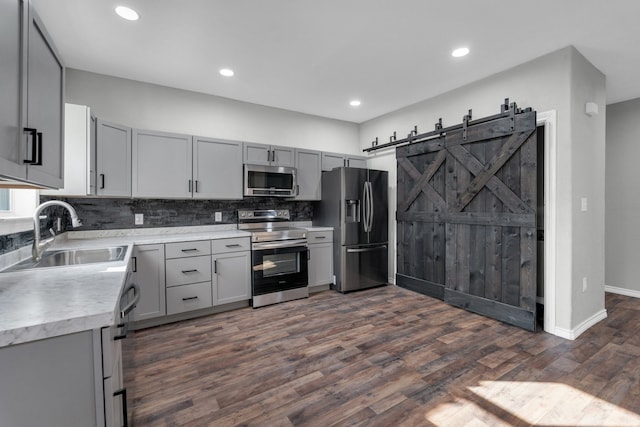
{"x":218,"y":216}
{"x":139,"y":219}
{"x":584,"y":284}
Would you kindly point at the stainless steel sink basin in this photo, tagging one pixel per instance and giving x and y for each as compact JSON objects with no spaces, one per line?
{"x":68,"y":257}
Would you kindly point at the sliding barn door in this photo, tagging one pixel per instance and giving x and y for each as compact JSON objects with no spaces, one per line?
{"x":466,"y":218}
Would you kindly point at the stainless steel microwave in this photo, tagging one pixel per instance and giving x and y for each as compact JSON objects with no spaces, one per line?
{"x":272,"y":181}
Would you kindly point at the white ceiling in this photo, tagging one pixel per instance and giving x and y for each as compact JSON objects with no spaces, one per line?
{"x":314,"y":56}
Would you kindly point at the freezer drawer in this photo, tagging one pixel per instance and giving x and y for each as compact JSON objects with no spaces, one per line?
{"x":362,"y":267}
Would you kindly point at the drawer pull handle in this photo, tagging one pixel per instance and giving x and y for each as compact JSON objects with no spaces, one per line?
{"x":189,"y":298}
{"x":189,"y":271}
{"x":189,"y":250}
{"x":321,"y":237}
{"x":235,"y":245}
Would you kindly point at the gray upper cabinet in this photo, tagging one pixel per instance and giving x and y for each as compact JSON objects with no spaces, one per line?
{"x":11,"y":150}
{"x":261,"y":154}
{"x":45,"y":100}
{"x":161,"y":165}
{"x":217,"y":169}
{"x":169,"y":165}
{"x":337,"y":160}
{"x":113,"y":159}
{"x":308,"y":165}
{"x":32,"y":90}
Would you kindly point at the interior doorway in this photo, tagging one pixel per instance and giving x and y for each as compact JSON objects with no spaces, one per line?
{"x":546,"y":122}
{"x":540,"y":226}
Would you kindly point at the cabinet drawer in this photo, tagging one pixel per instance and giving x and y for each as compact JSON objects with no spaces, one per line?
{"x":185,"y":249}
{"x":319,"y":237}
{"x":188,"y":297}
{"x":237,"y":244}
{"x":181,"y":271}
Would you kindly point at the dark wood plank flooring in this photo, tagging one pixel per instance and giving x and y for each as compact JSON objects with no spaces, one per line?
{"x":382,"y":357}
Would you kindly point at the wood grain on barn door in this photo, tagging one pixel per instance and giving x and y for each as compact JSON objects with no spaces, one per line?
{"x":466,"y":218}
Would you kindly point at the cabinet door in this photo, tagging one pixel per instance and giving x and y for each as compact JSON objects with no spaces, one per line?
{"x":77,"y":152}
{"x":51,"y":382}
{"x":282,"y":156}
{"x":12,"y":149}
{"x":149,"y":275}
{"x":161,"y":165}
{"x":320,"y":264}
{"x":231,"y":277}
{"x":308,"y":166}
{"x":356,"y":162}
{"x":256,"y":154}
{"x":45,"y":99}
{"x":217,"y":169}
{"x":332,"y":160}
{"x":113,"y":158}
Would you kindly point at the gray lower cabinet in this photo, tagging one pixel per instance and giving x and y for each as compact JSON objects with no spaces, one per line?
{"x":320,"y":257}
{"x":113,"y":159}
{"x":309,"y":168}
{"x":63,"y":381}
{"x":188,"y":276}
{"x":149,"y":274}
{"x":161,"y":165}
{"x":32,"y":93}
{"x":231,"y":270}
{"x":217,"y":169}
{"x":273,"y":155}
{"x":337,"y":160}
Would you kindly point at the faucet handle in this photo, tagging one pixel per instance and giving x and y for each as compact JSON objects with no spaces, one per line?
{"x":52,"y":231}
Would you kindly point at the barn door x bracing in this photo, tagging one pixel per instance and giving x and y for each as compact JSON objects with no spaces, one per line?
{"x":466,"y":218}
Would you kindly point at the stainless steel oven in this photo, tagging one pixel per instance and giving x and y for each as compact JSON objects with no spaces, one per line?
{"x":279,"y":255}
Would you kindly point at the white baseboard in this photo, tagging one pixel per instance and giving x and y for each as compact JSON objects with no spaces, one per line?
{"x":572,"y":334}
{"x":622,"y":291}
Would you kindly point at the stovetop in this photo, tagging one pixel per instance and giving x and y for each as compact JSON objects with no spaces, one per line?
{"x":269,"y":225}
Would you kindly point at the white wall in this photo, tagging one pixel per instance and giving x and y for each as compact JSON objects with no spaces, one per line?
{"x":622,"y":236}
{"x":588,"y":138}
{"x":149,"y":106}
{"x":551,"y":82}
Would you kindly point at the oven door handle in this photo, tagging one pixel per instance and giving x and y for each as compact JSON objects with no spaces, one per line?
{"x":281,"y":244}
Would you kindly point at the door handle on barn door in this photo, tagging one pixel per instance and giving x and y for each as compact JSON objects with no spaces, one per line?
{"x":102,"y":181}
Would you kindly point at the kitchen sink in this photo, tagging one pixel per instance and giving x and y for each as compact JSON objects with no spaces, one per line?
{"x":69,"y":257}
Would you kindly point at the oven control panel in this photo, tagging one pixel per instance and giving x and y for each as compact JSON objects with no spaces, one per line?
{"x":263,"y":215}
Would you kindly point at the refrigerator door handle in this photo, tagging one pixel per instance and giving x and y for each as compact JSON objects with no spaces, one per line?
{"x":370,"y":198}
{"x":369,"y":249}
{"x":365,"y":207}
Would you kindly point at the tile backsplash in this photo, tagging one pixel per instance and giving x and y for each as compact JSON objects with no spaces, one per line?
{"x":118,"y":213}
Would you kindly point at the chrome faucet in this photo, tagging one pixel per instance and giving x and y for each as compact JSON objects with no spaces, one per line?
{"x":38,"y":246}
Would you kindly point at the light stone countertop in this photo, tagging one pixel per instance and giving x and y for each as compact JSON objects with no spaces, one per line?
{"x":43,"y":303}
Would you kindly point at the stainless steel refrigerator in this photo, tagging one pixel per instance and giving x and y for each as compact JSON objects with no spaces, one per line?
{"x":354,"y":203}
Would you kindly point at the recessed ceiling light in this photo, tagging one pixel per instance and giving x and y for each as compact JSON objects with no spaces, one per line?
{"x":461,"y":51}
{"x":127,"y":13}
{"x":355,"y":103}
{"x":226,"y":72}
